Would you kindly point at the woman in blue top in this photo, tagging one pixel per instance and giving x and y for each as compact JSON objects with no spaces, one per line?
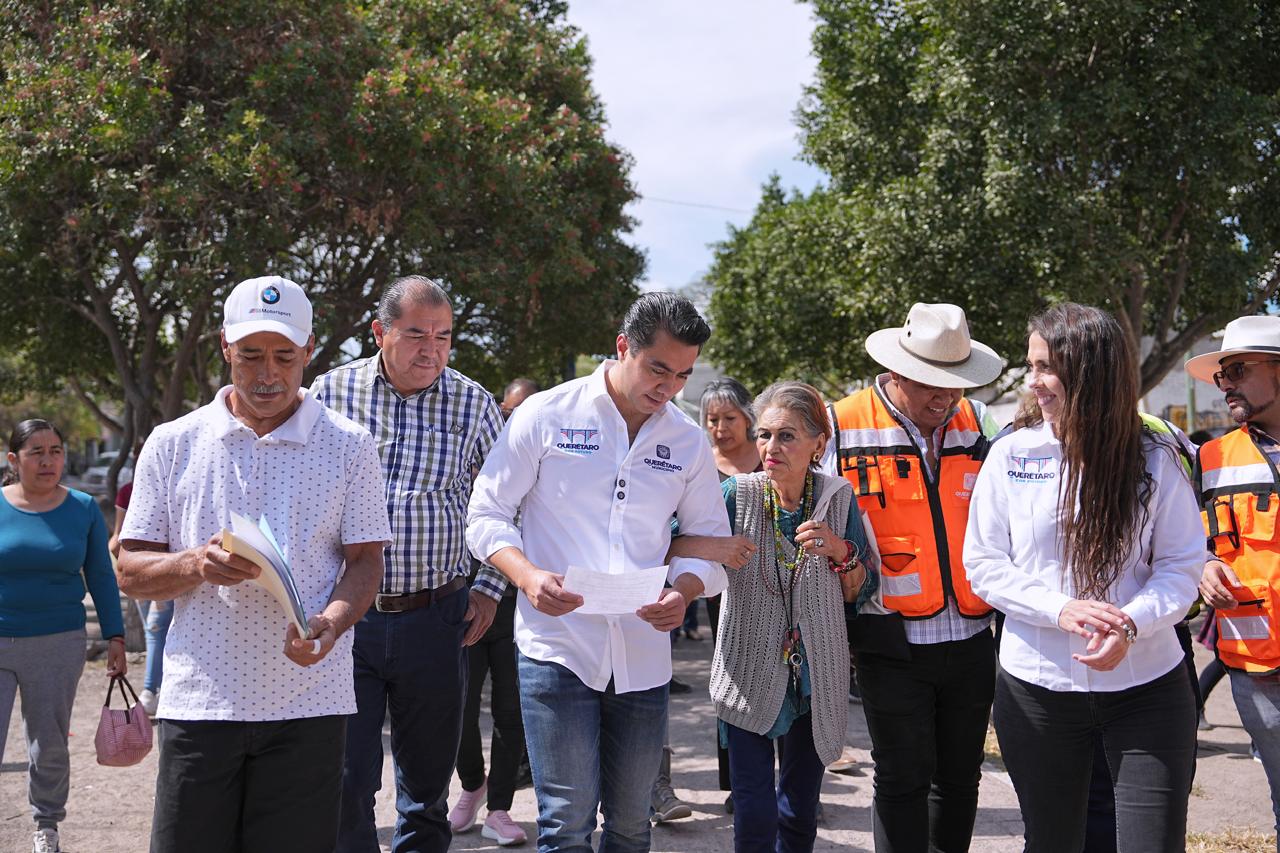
{"x":781,"y":663}
{"x":53,"y":543}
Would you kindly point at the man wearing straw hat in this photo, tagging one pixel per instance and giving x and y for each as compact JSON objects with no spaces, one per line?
{"x":911,"y":445}
{"x":1236,"y":482}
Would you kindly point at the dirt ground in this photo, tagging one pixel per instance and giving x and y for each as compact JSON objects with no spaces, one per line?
{"x":110,"y":808}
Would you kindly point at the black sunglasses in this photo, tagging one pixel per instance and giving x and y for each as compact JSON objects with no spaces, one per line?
{"x":1234,"y":372}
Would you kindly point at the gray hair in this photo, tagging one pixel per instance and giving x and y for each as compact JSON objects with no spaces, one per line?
{"x":727,"y":392}
{"x":802,"y":399}
{"x":417,"y":289}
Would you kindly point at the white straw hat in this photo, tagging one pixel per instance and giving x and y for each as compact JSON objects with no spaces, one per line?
{"x":1242,"y":335}
{"x":934,"y":348}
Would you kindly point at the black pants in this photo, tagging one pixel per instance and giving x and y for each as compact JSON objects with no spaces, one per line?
{"x":1149,"y":739}
{"x":494,"y":655}
{"x":232,"y":787}
{"x":928,"y":721}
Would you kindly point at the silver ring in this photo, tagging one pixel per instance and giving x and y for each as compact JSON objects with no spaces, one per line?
{"x":817,"y":542}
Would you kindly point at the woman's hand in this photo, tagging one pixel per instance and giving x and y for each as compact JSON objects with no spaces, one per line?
{"x":818,"y":538}
{"x":1104,"y":651}
{"x":732,"y":552}
{"x":117,"y":664}
{"x":1088,"y":618}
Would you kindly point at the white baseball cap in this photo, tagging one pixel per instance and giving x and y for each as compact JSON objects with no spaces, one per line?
{"x":267,"y":304}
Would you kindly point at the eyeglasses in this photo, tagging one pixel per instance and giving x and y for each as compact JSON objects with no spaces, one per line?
{"x":1234,"y":371}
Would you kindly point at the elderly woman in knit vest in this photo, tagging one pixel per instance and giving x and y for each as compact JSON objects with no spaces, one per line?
{"x":781,"y":662}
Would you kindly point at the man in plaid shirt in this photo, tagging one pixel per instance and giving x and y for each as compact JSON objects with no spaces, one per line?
{"x":433,"y":427}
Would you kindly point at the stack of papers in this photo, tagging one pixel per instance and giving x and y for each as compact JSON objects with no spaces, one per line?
{"x":257,"y":545}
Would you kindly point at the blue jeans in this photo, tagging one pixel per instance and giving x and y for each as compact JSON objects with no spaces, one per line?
{"x":1258,"y":701}
{"x":156,"y":617}
{"x":590,"y":749}
{"x":412,"y":665}
{"x":766,"y":818}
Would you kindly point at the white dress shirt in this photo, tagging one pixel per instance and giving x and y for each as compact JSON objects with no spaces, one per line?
{"x":588,"y":497}
{"x":318,"y":480}
{"x":1013,"y":554}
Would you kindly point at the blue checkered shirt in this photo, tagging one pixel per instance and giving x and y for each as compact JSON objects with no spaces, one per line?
{"x":431,"y":444}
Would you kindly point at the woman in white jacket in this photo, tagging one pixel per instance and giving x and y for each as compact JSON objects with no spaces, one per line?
{"x":1084,"y":532}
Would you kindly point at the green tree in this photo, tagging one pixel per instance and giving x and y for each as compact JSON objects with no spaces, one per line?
{"x":155,"y":152}
{"x":1007,"y":154}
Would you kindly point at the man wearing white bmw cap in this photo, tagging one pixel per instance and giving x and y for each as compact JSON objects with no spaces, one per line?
{"x":911,"y":446}
{"x":253,"y":718}
{"x":1239,"y":493}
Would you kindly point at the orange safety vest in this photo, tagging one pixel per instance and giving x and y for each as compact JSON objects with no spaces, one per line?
{"x":1239,"y":501}
{"x":919,"y":525}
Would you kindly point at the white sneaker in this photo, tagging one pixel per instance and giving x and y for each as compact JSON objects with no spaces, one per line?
{"x":45,"y":841}
{"x":149,"y":702}
{"x":499,"y":827}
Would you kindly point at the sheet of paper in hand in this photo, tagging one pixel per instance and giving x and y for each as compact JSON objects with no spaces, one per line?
{"x":612,"y":595}
{"x":257,"y":545}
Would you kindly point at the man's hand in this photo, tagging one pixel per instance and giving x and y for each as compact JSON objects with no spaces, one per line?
{"x":1215,"y":583}
{"x":667,"y":613}
{"x":1088,"y":618}
{"x":480,"y":610}
{"x":547,"y":594}
{"x":732,"y":552}
{"x":224,"y":568}
{"x":306,"y":652}
{"x":1104,"y":651}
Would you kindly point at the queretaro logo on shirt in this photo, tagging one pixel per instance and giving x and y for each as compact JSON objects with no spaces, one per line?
{"x":1032,"y":469}
{"x":662,"y":463}
{"x":580,"y":441}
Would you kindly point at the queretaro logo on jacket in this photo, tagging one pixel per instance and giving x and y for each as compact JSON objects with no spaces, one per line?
{"x":580,"y":441}
{"x":1032,"y":469}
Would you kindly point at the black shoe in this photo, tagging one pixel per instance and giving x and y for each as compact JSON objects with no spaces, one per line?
{"x":728,"y":804}
{"x":855,"y":695}
{"x":680,"y":687}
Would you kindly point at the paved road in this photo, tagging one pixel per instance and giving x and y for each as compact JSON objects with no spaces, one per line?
{"x":110,"y":808}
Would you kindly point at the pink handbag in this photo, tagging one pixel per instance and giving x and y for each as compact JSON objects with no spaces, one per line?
{"x":123,"y":737}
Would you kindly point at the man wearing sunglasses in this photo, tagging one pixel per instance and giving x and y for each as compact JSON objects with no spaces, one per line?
{"x":1239,"y":490}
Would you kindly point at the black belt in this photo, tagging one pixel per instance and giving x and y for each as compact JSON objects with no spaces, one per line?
{"x":384,"y":603}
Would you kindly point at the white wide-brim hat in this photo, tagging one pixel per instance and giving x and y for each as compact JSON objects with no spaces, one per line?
{"x":1242,"y":335}
{"x":934,"y":348}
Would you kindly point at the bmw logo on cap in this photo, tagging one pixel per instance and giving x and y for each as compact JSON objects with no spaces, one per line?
{"x":271,"y":295}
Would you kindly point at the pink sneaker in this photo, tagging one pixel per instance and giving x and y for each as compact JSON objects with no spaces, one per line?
{"x":463,"y":816}
{"x":499,"y":827}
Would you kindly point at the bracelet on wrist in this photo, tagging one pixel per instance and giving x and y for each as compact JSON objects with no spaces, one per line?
{"x":848,"y":564}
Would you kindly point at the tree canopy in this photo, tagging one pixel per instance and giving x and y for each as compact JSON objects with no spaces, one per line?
{"x":1008,"y":154}
{"x":155,"y":152}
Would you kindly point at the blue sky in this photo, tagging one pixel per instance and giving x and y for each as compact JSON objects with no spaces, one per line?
{"x":702,"y":94}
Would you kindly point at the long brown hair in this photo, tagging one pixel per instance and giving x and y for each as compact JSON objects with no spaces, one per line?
{"x":1102,"y":445}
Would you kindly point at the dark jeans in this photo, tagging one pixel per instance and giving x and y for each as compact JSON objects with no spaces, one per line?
{"x":1149,"y":738}
{"x":766,"y":818}
{"x":227,"y":787}
{"x":413,"y":666}
{"x":722,"y":754}
{"x":1209,"y":678}
{"x":928,"y":721}
{"x":495,"y":655}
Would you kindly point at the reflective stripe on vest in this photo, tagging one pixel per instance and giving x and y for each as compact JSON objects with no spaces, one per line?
{"x":919,"y":526}
{"x":1239,"y":505}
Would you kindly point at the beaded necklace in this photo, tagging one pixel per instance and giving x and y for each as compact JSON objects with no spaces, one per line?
{"x":791,"y":638}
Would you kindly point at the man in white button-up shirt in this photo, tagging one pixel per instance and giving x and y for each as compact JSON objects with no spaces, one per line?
{"x":596,"y":468}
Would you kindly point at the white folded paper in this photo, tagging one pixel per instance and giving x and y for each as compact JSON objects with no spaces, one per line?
{"x":611,"y":595}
